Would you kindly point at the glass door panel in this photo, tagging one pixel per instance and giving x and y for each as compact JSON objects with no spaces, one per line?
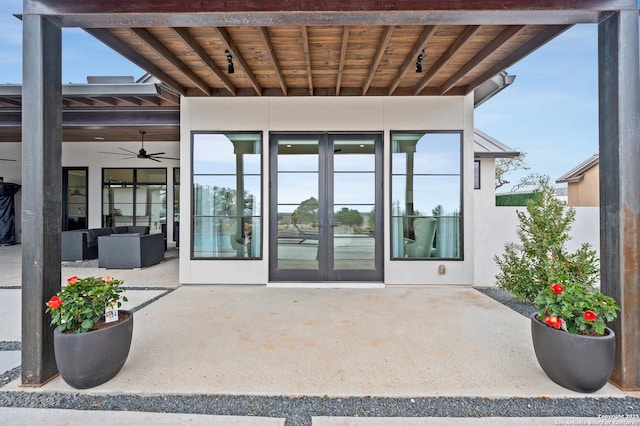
{"x":297,"y":230}
{"x":324,"y":193}
{"x":74,"y":212}
{"x":355,"y":190}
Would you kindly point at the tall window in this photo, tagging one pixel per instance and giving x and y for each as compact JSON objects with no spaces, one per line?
{"x":135,"y":197}
{"x":426,"y":194}
{"x":227,"y":208}
{"x":176,"y":205}
{"x":74,"y":198}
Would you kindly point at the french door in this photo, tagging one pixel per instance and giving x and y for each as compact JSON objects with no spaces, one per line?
{"x":326,"y":207}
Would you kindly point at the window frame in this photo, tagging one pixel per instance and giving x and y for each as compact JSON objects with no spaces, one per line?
{"x":461,"y":175}
{"x":135,"y":183}
{"x":192,"y":206}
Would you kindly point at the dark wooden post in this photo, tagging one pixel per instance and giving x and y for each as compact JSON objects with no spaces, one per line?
{"x":41,"y":192}
{"x":619,"y":93}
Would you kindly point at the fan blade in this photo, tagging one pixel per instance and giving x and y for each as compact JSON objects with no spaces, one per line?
{"x":156,"y":153}
{"x":8,"y":159}
{"x":166,"y":158}
{"x":126,"y":150}
{"x":153,"y":159}
{"x":112,"y":153}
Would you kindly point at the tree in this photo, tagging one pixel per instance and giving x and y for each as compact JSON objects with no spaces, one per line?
{"x":348,"y":217}
{"x":505,"y":166}
{"x":306,"y":212}
{"x":541,"y":257}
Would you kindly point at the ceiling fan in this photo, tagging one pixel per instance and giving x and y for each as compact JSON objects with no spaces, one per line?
{"x":142,"y":153}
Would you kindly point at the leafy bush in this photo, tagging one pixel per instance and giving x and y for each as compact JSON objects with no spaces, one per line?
{"x":530,"y":266}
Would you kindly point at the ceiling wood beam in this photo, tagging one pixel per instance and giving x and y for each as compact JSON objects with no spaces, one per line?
{"x":307,"y":56}
{"x":193,"y":44}
{"x":446,"y":57}
{"x":500,"y":39}
{"x":237,"y":56}
{"x":418,"y":46}
{"x":533,"y":44}
{"x":343,"y":54}
{"x":104,"y":100}
{"x":143,"y":13}
{"x":123,"y":49}
{"x":146,"y":37}
{"x":130,"y":100}
{"x":272,"y":57}
{"x":79,"y":100}
{"x":149,"y":101}
{"x":169,"y":97}
{"x":11,"y":102}
{"x":382,"y":46}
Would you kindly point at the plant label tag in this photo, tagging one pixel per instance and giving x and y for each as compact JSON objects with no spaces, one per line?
{"x":111,"y":312}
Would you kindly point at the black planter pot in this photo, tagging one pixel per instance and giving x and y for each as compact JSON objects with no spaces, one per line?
{"x":576,"y":362}
{"x":89,"y":359}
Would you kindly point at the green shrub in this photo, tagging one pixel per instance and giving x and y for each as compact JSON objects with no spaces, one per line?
{"x":540,"y":257}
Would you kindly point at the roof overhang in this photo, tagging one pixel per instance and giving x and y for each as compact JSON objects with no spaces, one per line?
{"x":325,"y":48}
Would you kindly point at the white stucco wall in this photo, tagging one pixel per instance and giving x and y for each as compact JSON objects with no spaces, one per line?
{"x":349,"y":114}
{"x":496,"y":226}
{"x":486,"y":195}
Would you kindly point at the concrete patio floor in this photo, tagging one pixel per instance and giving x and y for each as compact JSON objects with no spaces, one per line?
{"x":395,"y":342}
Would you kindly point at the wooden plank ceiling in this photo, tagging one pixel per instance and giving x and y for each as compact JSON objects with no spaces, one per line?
{"x":328,"y":60}
{"x":321,"y":48}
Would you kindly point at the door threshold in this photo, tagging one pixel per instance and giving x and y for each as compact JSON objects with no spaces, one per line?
{"x":336,"y":284}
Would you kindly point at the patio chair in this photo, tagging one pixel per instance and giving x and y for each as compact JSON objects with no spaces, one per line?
{"x":425,"y":230}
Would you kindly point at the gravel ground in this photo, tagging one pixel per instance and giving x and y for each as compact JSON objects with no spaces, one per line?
{"x":503,"y":296}
{"x":299,"y":410}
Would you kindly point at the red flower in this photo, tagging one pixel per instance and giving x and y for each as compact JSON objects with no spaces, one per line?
{"x":590,"y":315}
{"x":554,"y":322}
{"x":557,"y":288}
{"x":54,"y":303}
{"x":73,"y":279}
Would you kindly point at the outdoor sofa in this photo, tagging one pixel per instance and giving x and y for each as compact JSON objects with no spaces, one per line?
{"x":82,"y":244}
{"x":130,"y":251}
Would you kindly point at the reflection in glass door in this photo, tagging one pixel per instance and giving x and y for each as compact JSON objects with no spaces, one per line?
{"x":74,"y":198}
{"x":324,"y":191}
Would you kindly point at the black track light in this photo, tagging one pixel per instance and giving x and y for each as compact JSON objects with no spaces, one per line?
{"x":419,"y":62}
{"x":230,"y":69}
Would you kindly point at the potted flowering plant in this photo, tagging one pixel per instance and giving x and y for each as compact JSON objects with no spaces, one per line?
{"x":572,"y":342}
{"x":82,"y":303}
{"x":92,"y":337}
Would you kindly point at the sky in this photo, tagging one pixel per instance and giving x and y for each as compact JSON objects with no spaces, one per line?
{"x":550,"y":112}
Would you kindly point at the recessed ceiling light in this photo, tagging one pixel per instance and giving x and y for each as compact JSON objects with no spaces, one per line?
{"x":289,"y":146}
{"x":98,"y":138}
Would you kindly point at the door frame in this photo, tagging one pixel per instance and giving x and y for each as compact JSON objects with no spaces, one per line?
{"x":325,"y":272}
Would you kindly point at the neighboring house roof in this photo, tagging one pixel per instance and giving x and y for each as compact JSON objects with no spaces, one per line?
{"x":577,"y":174}
{"x":485,"y":146}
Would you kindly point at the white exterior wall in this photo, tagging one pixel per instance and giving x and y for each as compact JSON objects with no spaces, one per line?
{"x":496,"y":226}
{"x":320,"y":114}
{"x":87,"y":154}
{"x":486,"y":195}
